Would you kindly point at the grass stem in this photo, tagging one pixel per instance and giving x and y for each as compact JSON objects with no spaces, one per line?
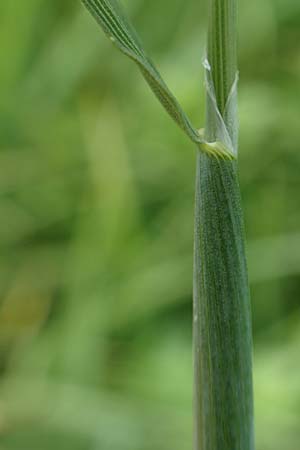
{"x":222,"y":320}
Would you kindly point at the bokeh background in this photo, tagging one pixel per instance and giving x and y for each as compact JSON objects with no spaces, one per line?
{"x":96,"y":229}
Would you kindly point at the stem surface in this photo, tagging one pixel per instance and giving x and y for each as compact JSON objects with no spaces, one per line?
{"x":222,"y":319}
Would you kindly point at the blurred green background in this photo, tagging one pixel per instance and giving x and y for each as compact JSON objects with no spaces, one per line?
{"x":96,"y":230}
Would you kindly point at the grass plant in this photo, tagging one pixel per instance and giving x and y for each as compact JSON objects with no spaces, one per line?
{"x":222,"y":324}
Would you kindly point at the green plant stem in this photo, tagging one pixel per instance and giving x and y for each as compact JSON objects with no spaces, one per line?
{"x":222,"y":320}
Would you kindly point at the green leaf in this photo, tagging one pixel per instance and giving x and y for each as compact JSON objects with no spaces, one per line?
{"x":110,"y":16}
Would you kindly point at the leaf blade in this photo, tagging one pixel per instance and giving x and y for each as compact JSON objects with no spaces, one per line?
{"x":112,"y":19}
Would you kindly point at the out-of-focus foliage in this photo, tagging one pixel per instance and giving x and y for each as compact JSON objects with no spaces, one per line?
{"x":96,"y":205}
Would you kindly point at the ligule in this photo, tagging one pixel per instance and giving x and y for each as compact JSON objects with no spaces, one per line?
{"x":217,"y":150}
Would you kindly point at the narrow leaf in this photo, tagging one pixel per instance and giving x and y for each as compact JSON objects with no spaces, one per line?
{"x":110,"y":16}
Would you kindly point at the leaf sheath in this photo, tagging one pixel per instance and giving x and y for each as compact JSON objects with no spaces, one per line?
{"x":222,"y":320}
